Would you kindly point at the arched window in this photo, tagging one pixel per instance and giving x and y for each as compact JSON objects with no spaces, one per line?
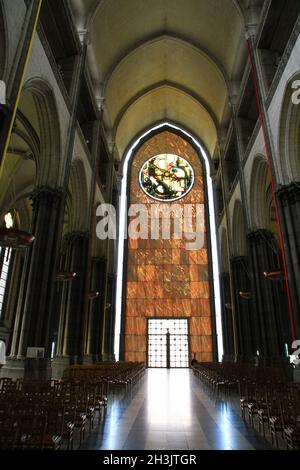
{"x":162,"y":277}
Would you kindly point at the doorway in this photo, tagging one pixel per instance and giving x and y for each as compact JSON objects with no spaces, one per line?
{"x":168,"y":343}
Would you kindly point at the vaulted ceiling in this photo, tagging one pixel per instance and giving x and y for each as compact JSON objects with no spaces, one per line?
{"x":153,"y":60}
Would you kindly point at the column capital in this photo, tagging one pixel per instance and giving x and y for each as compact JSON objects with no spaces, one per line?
{"x":260,"y":233}
{"x":234,"y":90}
{"x":46,"y":192}
{"x":251,"y":32}
{"x":84,"y":36}
{"x":100,"y":103}
{"x":252,"y":21}
{"x":290,"y":192}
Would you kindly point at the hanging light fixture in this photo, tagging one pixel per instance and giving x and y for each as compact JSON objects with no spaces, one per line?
{"x":93,"y":295}
{"x":65,"y":276}
{"x":245,"y":295}
{"x":274,"y":275}
{"x":13,"y":238}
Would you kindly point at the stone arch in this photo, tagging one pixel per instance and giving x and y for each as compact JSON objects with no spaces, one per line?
{"x":177,"y":127}
{"x":78,"y":211}
{"x":238,"y":230}
{"x":289,"y":135}
{"x":259,"y":184}
{"x":48,"y":160}
{"x":262,"y":208}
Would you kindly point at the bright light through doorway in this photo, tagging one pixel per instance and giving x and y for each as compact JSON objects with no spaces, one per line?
{"x":168,"y":343}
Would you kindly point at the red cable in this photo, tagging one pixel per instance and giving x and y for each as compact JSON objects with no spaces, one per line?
{"x":258,"y":99}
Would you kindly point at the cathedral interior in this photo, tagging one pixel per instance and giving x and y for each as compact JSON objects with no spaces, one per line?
{"x":119,"y":119}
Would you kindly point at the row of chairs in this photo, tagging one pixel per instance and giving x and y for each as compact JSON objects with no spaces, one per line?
{"x":113,"y":375}
{"x":267,"y":399}
{"x":46,"y":415}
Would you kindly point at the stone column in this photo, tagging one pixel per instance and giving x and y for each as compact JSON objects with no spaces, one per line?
{"x":34,"y":316}
{"x":289,"y":201}
{"x":246,"y":321}
{"x":96,"y":311}
{"x":269,"y":298}
{"x":40,"y":273}
{"x":76,"y":261}
{"x":109,"y":318}
{"x":227,"y":320}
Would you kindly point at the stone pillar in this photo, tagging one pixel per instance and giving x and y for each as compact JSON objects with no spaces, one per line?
{"x":269,"y":298}
{"x":76,"y":261}
{"x":246,"y":322}
{"x":109,"y":318}
{"x":35,"y":313}
{"x":96,"y":310}
{"x":227,"y":320}
{"x":289,"y":201}
{"x":34,"y":316}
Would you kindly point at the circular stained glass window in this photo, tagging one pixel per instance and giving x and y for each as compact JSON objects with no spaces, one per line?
{"x":166,"y":177}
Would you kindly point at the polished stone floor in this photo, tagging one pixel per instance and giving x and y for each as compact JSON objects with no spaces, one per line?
{"x":172,"y":410}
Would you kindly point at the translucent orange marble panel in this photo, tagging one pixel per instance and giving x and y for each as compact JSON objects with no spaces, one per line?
{"x":163,"y":256}
{"x":145,"y":308}
{"x":205,"y":325}
{"x":177,"y":290}
{"x":199,"y":290}
{"x":149,"y":290}
{"x":143,"y":257}
{"x":154,"y":290}
{"x":195,"y":326}
{"x":132,"y":288}
{"x":206,"y":343}
{"x":206,"y":357}
{"x":198,"y":272}
{"x":133,"y":244}
{"x":198,"y":257}
{"x":164,"y":278}
{"x":149,"y":273}
{"x":135,"y":357}
{"x":195,"y":343}
{"x":135,"y":343}
{"x":135,"y":326}
{"x":174,"y":273}
{"x":131,"y":308}
{"x":131,"y":273}
{"x":173,"y":308}
{"x":176,"y":256}
{"x":201,"y":307}
{"x":131,"y":256}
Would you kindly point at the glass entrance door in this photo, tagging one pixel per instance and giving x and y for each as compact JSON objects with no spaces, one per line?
{"x":168,"y":344}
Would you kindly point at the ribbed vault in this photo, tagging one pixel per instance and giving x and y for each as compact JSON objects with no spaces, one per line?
{"x":158,"y":59}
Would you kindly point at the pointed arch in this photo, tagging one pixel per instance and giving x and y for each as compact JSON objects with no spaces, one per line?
{"x":49,"y":158}
{"x":212,"y":237}
{"x":289,"y":135}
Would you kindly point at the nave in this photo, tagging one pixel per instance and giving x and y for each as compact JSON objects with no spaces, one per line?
{"x":179,"y":414}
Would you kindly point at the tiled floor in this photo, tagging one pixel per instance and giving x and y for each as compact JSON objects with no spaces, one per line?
{"x":171,"y":410}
